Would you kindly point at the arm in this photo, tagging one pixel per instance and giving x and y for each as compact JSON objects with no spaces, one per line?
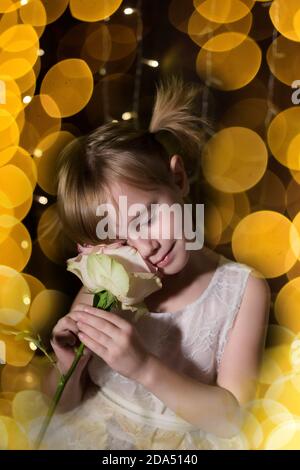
{"x":218,"y":408}
{"x":78,"y":382}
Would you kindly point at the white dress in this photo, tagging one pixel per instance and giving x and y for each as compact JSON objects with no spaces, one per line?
{"x":118,"y":413}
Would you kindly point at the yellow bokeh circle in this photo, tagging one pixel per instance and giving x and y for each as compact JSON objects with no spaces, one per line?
{"x":283,"y":60}
{"x":34,"y":13}
{"x":35,"y":285}
{"x":16,"y":246}
{"x":286,"y":391}
{"x":15,"y":186}
{"x":226,"y":11}
{"x":18,"y":378}
{"x":3,"y":436}
{"x":51,"y":237}
{"x":283,"y":137}
{"x":70,"y":84}
{"x":17,"y":439}
{"x":9,"y":130}
{"x":234,"y":159}
{"x":267,"y":241}
{"x":286,"y":436}
{"x":23,"y":160}
{"x":14,"y":296}
{"x":283,"y":14}
{"x":47,"y":308}
{"x":48,"y":151}
{"x":229,"y":61}
{"x":295,"y":354}
{"x":287,"y":305}
{"x":93,"y":10}
{"x":19,"y":46}
{"x":28,"y":405}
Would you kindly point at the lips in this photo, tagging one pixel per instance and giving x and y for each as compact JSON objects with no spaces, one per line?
{"x":164,"y":255}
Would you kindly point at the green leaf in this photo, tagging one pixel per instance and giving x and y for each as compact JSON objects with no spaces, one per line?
{"x":104,"y":300}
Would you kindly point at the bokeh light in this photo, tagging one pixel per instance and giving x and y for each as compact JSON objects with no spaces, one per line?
{"x":287,"y":305}
{"x":234,"y":159}
{"x":283,"y":137}
{"x":74,"y":91}
{"x":58,"y":81}
{"x":284,"y":16}
{"x":93,"y":10}
{"x":268,"y":241}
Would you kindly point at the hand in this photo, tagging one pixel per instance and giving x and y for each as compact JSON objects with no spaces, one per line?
{"x":113,"y":339}
{"x":63,"y":341}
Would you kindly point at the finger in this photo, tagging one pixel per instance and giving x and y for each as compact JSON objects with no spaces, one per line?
{"x":87,"y":352}
{"x":65,"y":339}
{"x":96,"y":335}
{"x":94,"y":346}
{"x":65,"y":324}
{"x":99,"y":324}
{"x":84,"y":248}
{"x":74,"y":315}
{"x":110,"y":316}
{"x":61,"y":348}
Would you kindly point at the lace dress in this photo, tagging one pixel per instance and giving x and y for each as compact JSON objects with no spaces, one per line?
{"x":118,"y":413}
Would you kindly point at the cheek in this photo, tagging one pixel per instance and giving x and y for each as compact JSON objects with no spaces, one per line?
{"x":168,"y":226}
{"x":180,"y":248}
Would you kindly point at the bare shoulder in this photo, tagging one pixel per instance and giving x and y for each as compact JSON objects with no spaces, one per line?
{"x":257,"y":291}
{"x":255,"y":305}
{"x":241,"y":361}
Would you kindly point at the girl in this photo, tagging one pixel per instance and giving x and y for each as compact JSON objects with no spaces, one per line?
{"x":178,"y":378}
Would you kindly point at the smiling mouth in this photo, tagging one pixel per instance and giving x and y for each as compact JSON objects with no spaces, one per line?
{"x":165,"y":255}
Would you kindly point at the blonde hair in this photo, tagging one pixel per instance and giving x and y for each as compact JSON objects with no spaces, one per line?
{"x":115,"y":151}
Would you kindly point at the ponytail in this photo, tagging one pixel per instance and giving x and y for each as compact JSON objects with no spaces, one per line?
{"x":175,"y":122}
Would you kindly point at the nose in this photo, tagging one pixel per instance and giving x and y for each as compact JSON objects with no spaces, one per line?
{"x":146,"y":247}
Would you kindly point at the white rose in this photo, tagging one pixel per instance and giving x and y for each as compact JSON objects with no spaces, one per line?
{"x":119,"y":269}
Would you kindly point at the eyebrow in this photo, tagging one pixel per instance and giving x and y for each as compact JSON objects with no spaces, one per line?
{"x":148,"y":206}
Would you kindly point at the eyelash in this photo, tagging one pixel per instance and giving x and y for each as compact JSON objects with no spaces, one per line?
{"x":148,"y":221}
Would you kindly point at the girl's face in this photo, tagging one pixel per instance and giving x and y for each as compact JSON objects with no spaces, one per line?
{"x":158,"y":222}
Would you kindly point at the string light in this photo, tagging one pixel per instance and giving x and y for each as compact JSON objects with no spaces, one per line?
{"x":40,"y":52}
{"x":128,"y":115}
{"x":42,"y":200}
{"x":27,"y":99}
{"x":129,"y":11}
{"x":37,"y":153}
{"x":151,"y":62}
{"x":139,"y":62}
{"x":26,"y":300}
{"x":23,"y":2}
{"x":32,"y":346}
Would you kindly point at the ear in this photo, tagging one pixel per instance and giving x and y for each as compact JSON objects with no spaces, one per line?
{"x":179,"y":174}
